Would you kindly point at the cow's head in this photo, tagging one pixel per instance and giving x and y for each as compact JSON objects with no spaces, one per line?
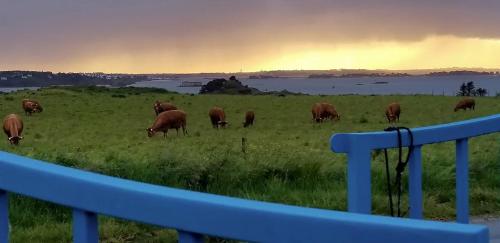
{"x":157,"y":107}
{"x":223,"y":123}
{"x":391,"y":117}
{"x":15,"y":140}
{"x":317,"y":119}
{"x":38,"y":108}
{"x":336,"y":116}
{"x":150,"y":131}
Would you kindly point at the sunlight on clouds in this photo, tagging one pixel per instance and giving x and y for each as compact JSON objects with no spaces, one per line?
{"x":369,"y":56}
{"x":431,"y":52}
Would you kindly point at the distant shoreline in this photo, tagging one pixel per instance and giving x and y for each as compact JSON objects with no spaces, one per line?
{"x":44,"y":79}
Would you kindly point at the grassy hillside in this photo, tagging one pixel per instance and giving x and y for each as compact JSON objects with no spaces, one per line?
{"x":287,"y":157}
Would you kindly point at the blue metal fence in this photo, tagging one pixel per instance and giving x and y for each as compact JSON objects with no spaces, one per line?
{"x":195,"y":215}
{"x":358,"y":147}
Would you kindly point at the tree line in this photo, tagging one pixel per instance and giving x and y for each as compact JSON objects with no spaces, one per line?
{"x":469,"y":89}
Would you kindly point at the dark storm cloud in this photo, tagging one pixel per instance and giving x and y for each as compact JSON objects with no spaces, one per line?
{"x":35,"y":31}
{"x":392,"y":19}
{"x":188,"y":18}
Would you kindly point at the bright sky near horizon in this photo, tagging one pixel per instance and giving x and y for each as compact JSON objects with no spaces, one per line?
{"x":164,"y":36}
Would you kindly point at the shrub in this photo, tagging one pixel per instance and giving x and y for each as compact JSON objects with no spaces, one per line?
{"x":118,"y":96}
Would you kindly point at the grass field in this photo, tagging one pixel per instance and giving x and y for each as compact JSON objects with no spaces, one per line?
{"x":287,"y":157}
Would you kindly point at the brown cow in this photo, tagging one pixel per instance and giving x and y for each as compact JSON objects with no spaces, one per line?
{"x":13,"y":127}
{"x":160,"y":107}
{"x":466,"y":103}
{"x":31,"y":106}
{"x":323,"y":111}
{"x":249,"y":117}
{"x":329,"y":112}
{"x":217,"y":117}
{"x":168,"y":120}
{"x":392,"y":112}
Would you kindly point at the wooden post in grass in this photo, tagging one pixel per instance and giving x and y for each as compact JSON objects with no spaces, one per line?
{"x":243,"y":144}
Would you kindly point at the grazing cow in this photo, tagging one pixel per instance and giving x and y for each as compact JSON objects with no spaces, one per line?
{"x":217,"y":117}
{"x":392,"y":112}
{"x":329,"y":112}
{"x":249,"y":117}
{"x":316,"y":111}
{"x":31,"y":106}
{"x":466,"y":103}
{"x":160,"y":107}
{"x":13,"y":127}
{"x":323,"y":111}
{"x":168,"y":120}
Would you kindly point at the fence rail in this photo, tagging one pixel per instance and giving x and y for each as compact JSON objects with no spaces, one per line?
{"x":358,"y":147}
{"x":195,"y":214}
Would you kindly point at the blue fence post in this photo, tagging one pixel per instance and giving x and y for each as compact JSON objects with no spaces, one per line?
{"x":188,"y":237}
{"x":462,"y":181}
{"x":85,"y":227}
{"x":359,"y":180}
{"x":415,"y":183}
{"x":4,"y":216}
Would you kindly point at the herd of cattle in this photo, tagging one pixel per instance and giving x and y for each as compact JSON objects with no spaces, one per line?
{"x":168,"y":116}
{"x":13,"y":125}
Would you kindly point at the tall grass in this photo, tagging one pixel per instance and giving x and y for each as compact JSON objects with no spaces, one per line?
{"x":287,"y":158}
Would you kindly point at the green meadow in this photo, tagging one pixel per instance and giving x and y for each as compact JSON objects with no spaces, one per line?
{"x":287,"y":158}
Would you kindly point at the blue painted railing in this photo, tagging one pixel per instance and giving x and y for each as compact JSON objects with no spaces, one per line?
{"x":358,"y":147}
{"x":195,"y":214}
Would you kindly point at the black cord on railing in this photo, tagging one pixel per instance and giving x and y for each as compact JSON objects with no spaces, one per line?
{"x":400,"y":167}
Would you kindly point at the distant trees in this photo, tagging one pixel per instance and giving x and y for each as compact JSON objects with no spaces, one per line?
{"x":469,"y":89}
{"x":481,"y":92}
{"x":224,"y":86}
{"x":466,"y":89}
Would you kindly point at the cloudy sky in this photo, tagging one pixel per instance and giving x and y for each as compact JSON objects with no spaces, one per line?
{"x":228,"y":35}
